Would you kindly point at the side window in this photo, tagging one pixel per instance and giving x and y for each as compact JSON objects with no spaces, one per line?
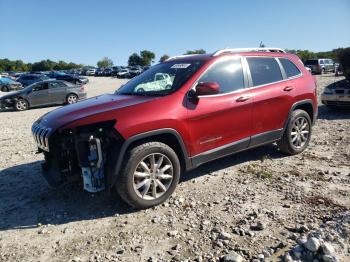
{"x":39,"y":87}
{"x":321,"y":62}
{"x":55,"y":85}
{"x":289,"y":67}
{"x":264,"y":70}
{"x":228,"y":74}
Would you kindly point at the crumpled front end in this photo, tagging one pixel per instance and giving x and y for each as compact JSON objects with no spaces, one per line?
{"x":78,"y":154}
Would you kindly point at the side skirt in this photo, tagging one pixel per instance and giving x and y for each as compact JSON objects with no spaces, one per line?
{"x":237,"y":146}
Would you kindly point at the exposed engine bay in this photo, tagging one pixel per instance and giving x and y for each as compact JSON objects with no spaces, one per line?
{"x":80,"y":154}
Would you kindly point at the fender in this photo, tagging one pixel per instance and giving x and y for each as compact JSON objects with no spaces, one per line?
{"x":117,"y":159}
{"x":302,"y":102}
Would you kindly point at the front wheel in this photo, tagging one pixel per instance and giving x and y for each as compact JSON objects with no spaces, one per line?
{"x":21,"y":105}
{"x":149,"y":176}
{"x":297,"y":135}
{"x":5,"y":89}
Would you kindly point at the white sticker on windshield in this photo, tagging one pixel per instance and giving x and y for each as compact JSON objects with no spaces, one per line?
{"x":180,"y":65}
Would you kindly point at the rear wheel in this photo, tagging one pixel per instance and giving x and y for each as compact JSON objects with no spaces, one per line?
{"x":297,"y":135}
{"x":71,"y":99}
{"x":21,"y":105}
{"x":149,"y":176}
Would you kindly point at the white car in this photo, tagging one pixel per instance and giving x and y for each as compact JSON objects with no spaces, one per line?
{"x":161,"y":81}
{"x":124,"y":73}
{"x":337,"y":94}
{"x":91,"y":72}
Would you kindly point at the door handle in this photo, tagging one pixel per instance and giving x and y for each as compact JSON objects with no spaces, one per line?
{"x":242,"y":98}
{"x":288,"y":88}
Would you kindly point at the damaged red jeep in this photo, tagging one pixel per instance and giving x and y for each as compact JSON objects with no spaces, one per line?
{"x":176,"y":116}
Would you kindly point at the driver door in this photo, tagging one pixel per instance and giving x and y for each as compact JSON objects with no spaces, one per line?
{"x":221,"y":124}
{"x":39,"y":95}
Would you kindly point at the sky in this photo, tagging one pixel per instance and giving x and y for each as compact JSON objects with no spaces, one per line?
{"x":84,"y":31}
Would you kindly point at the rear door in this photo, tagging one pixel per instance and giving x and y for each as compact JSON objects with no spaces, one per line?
{"x":273,"y":96}
{"x":57,"y":92}
{"x":39,"y":94}
{"x":216,"y":122}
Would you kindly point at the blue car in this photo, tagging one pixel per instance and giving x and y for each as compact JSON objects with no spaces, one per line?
{"x":7,"y":84}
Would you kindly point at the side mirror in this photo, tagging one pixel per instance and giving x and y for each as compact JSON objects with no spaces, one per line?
{"x":207,"y":88}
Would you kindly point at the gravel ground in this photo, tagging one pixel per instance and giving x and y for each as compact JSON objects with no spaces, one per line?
{"x":258,"y":205}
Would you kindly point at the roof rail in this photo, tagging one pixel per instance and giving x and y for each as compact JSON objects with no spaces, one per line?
{"x":179,"y":56}
{"x":254,"y":49}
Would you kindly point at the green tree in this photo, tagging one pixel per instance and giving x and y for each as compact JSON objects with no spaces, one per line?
{"x":147,"y":57}
{"x":105,"y":62}
{"x":134,"y":59}
{"x":198,"y":51}
{"x":163,"y":58}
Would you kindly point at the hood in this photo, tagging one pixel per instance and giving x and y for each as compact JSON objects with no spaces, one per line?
{"x":11,"y":95}
{"x":105,"y":103}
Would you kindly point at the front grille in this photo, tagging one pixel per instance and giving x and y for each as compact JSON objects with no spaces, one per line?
{"x":41,"y":136}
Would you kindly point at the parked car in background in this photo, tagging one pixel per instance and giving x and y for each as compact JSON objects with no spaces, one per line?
{"x":123,"y":73}
{"x":107,"y":72}
{"x":75,"y":79}
{"x":28,"y":79}
{"x":99,"y":71}
{"x":135,"y":71}
{"x":116,"y":70}
{"x":320,"y":66}
{"x":43,"y":93}
{"x":90,"y":72}
{"x":217,"y":104}
{"x":160,"y":82}
{"x":54,"y":74}
{"x":337,"y":94}
{"x":8,"y":84}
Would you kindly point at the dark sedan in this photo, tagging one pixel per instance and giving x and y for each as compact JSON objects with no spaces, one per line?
{"x":7,"y":84}
{"x":28,"y":79}
{"x":43,"y":93}
{"x":78,"y":80}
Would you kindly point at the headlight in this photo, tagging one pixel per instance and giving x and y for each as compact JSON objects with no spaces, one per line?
{"x":327,"y":91}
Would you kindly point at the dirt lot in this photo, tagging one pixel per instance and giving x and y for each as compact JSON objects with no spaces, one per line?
{"x":257,"y":205}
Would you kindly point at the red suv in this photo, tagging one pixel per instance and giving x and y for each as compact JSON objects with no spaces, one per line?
{"x":176,"y":116}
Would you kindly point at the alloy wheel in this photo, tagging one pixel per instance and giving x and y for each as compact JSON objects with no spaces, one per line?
{"x":21,"y":105}
{"x":153,"y":176}
{"x":71,"y":99}
{"x":300,"y":132}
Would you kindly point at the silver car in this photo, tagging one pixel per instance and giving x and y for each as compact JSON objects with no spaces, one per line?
{"x":49,"y":92}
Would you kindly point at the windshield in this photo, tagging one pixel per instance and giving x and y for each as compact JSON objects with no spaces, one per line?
{"x":161,"y":79}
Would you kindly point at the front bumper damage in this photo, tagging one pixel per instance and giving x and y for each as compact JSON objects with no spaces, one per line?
{"x":78,"y":155}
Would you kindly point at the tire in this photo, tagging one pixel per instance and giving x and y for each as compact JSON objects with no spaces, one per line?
{"x":21,"y":105}
{"x":5,"y":89}
{"x":71,"y":99}
{"x":295,"y":141}
{"x":136,"y":185}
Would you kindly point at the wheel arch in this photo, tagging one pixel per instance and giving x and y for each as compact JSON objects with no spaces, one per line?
{"x":167,"y":136}
{"x":306,"y":105}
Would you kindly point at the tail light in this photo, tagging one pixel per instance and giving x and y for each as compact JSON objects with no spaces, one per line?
{"x":82,"y":88}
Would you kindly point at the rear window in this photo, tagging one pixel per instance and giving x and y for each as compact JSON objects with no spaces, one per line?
{"x":289,"y":67}
{"x":311,"y":62}
{"x":264,"y":70}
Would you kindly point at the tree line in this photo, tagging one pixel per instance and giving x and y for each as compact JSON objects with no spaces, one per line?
{"x":43,"y":65}
{"x":145,"y":58}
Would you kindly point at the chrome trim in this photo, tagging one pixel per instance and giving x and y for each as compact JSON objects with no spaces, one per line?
{"x":41,"y":136}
